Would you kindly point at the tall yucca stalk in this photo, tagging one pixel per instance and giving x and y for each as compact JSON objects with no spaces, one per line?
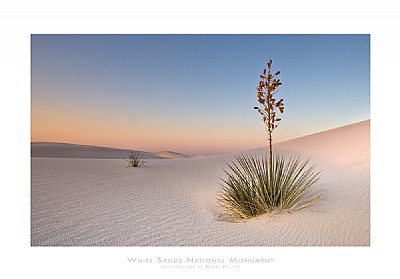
{"x":266,"y":90}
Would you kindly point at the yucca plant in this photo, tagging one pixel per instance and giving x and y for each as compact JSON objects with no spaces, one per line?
{"x":255,"y":186}
{"x":248,"y":192}
{"x":135,"y":160}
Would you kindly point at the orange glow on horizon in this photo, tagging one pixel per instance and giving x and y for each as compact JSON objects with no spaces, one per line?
{"x":93,"y":129}
{"x":109,"y":130}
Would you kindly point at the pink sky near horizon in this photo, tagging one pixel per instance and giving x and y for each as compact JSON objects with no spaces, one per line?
{"x":94,"y":128}
{"x":91,"y":129}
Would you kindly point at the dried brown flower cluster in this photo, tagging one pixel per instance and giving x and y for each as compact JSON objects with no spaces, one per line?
{"x":266,"y":90}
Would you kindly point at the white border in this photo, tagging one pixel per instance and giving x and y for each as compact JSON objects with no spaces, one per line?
{"x":19,"y":19}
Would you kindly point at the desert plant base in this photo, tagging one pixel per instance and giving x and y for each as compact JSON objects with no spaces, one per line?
{"x":227,"y":216}
{"x":251,"y":190}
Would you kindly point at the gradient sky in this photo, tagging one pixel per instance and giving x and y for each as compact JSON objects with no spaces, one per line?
{"x":192,"y":94}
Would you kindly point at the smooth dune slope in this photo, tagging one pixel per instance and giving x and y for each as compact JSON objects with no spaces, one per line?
{"x":87,"y":202}
{"x":171,"y":155}
{"x":68,"y":150}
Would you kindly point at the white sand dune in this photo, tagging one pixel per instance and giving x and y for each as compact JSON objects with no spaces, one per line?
{"x":68,"y":150}
{"x":95,"y":202}
{"x":171,"y":155}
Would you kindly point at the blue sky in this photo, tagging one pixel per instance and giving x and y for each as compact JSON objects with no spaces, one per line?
{"x":192,"y":93}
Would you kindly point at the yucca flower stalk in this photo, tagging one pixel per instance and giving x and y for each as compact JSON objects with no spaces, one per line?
{"x":266,"y":90}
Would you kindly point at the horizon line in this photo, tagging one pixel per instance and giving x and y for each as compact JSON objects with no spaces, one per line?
{"x":189,"y":154}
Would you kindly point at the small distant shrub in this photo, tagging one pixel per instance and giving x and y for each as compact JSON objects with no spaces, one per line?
{"x":135,"y":160}
{"x":251,"y":189}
